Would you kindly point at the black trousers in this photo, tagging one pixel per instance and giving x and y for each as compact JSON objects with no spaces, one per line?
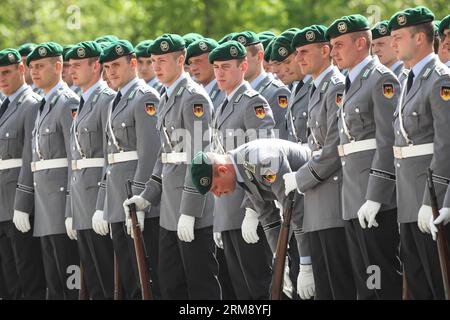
{"x":126,"y":257}
{"x":21,"y":264}
{"x":188,"y":270}
{"x":224,"y":276}
{"x":60,"y":257}
{"x":97,"y":257}
{"x":421,"y":262}
{"x":331,"y":264}
{"x":250,"y":265}
{"x":374,"y":254}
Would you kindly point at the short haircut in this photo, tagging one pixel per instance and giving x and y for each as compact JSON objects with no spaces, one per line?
{"x":366,"y":34}
{"x":131,"y":56}
{"x":255,"y":48}
{"x":427,"y":28}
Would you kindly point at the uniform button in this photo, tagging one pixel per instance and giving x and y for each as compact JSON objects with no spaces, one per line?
{"x":317,"y":123}
{"x":74,"y":179}
{"x":61,"y":189}
{"x":109,"y":172}
{"x":47,"y":130}
{"x":173,"y":128}
{"x":230,"y":133}
{"x":99,"y":184}
{"x":398,"y":165}
{"x":85,"y":129}
{"x":335,"y":178}
{"x":7,"y":134}
{"x":163,"y":145}
{"x":304,"y":114}
{"x":73,"y":148}
{"x":34,"y":150}
{"x":34,"y":184}
{"x":414,"y":114}
{"x":343,"y":163}
{"x":357,"y":110}
{"x":109,"y":143}
{"x":162,"y":176}
{"x":342,"y":130}
{"x":343,"y":114}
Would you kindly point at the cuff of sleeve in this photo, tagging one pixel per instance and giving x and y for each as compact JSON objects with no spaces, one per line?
{"x":192,"y":202}
{"x":305,"y":260}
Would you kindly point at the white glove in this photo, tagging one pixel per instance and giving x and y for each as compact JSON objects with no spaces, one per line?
{"x":72,"y":234}
{"x":368,"y":212}
{"x":423,"y":218}
{"x":444,"y":217}
{"x":249,"y":226}
{"x":290,"y":182}
{"x":288,"y":289}
{"x":185,"y":229}
{"x":141,"y":204}
{"x":140,"y":215}
{"x":22,"y":221}
{"x":99,"y":224}
{"x":306,"y":288}
{"x":218,"y":239}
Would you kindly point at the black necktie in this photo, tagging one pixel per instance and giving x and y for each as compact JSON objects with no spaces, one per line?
{"x":116,"y":100}
{"x":410,"y":81}
{"x":81,"y":105}
{"x":41,"y":107}
{"x":298,"y":87}
{"x":313,"y":88}
{"x":223,"y":106}
{"x":347,"y":83}
{"x":4,"y":106}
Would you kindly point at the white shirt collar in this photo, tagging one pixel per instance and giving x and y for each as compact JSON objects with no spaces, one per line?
{"x":58,"y":85}
{"x":210,"y":86}
{"x":170,"y":89}
{"x":448,"y":63}
{"x":356,"y":70}
{"x":231,"y":95}
{"x":319,"y":79}
{"x":395,"y":65}
{"x":88,"y":93}
{"x":17,"y":93}
{"x":306,"y":78}
{"x":126,"y":87}
{"x":258,"y":79}
{"x":421,"y":64}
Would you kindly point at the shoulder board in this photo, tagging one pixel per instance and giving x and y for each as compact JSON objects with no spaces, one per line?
{"x":22,"y":97}
{"x":405,"y":72}
{"x":108,"y":91}
{"x":324,"y":86}
{"x":250,"y":167}
{"x":132,"y":94}
{"x":427,"y":73}
{"x":382,"y":69}
{"x":144,"y":89}
{"x":238,"y":98}
{"x":277,"y":83}
{"x":440,"y":70}
{"x":335,"y":80}
{"x":213,"y":94}
{"x":251,"y":93}
{"x":180,"y":91}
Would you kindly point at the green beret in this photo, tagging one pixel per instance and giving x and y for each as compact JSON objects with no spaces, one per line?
{"x":103,"y":44}
{"x":26,"y":48}
{"x":200,"y":47}
{"x":444,"y":25}
{"x":9,"y":57}
{"x":106,"y":38}
{"x":201,"y":172}
{"x":227,"y":37}
{"x":191,"y":37}
{"x":281,"y":48}
{"x":230,"y":50}
{"x":246,"y":38}
{"x":45,"y":50}
{"x":84,"y":50}
{"x":142,"y":49}
{"x":312,"y":34}
{"x":66,"y":49}
{"x":265,"y":37}
{"x":167,"y":43}
{"x":347,"y":24}
{"x":381,"y":30}
{"x":410,"y":17}
{"x":268,"y":50}
{"x":116,"y":50}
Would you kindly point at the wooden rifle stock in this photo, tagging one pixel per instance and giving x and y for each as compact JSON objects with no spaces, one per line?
{"x":444,"y":259}
{"x":117,"y":283}
{"x":139,"y":249}
{"x":280,"y":253}
{"x":83,"y":293}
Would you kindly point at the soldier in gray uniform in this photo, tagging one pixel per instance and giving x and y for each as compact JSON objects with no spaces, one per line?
{"x":24,"y":50}
{"x":320,"y":179}
{"x":50,"y":167}
{"x":144,"y":69}
{"x":202,"y":70}
{"x":188,"y":267}
{"x":66,"y":77}
{"x":20,"y":253}
{"x":273,"y":90}
{"x":381,"y":47}
{"x":132,"y":150}
{"x":244,"y":115}
{"x":421,"y":142}
{"x":266,"y":38}
{"x":444,"y":32}
{"x":88,"y":160}
{"x":366,"y":139}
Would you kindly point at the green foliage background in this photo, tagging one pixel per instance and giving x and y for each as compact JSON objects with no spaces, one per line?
{"x":71,"y":21}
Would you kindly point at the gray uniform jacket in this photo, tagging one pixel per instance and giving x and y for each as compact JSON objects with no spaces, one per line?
{"x":217,"y":96}
{"x":262,"y":164}
{"x":297,"y":114}
{"x":133,"y":123}
{"x":277,"y":95}
{"x":320,"y":179}
{"x":16,"y":125}
{"x":367,"y":111}
{"x":398,"y":71}
{"x":51,"y":140}
{"x":88,"y":127}
{"x":188,"y":109}
{"x":232,"y":122}
{"x":425,"y":115}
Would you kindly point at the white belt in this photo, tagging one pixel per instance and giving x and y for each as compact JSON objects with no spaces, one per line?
{"x":357,"y":146}
{"x":317,"y":153}
{"x":122,"y":157}
{"x":174,"y":157}
{"x":88,"y":163}
{"x":10,"y":163}
{"x":49,"y":164}
{"x":413,"y":151}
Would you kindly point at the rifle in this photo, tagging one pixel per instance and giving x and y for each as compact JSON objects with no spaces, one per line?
{"x":444,"y":259}
{"x":280,"y":253}
{"x":83,"y":293}
{"x":139,"y":249}
{"x":117,"y":283}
